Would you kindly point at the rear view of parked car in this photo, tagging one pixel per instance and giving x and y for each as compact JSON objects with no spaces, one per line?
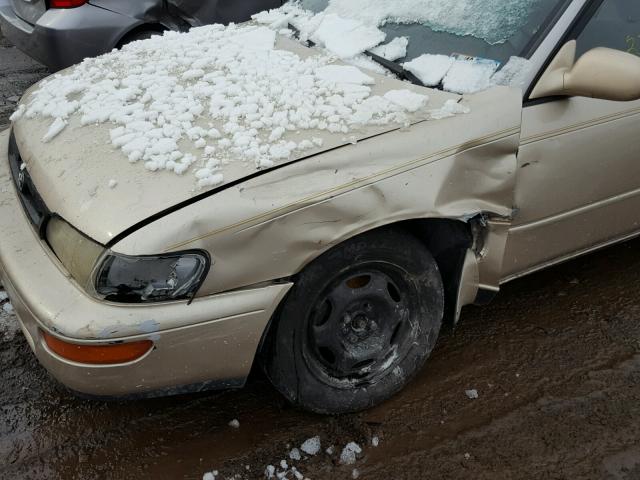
{"x":60,"y":33}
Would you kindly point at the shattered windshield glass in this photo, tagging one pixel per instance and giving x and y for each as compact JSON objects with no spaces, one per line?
{"x":494,"y":29}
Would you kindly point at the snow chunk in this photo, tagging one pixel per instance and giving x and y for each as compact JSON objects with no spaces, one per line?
{"x":410,"y":101}
{"x":311,"y":446}
{"x":472,"y":394}
{"x":193,"y":74}
{"x":470,"y":76}
{"x":113,"y":183}
{"x":56,"y":127}
{"x":210,"y":475}
{"x":294,"y":454}
{"x":430,"y":69}
{"x":514,"y":73}
{"x":17,"y":115}
{"x":234,"y":423}
{"x":7,"y":308}
{"x":349,"y":453}
{"x":261,"y":38}
{"x":449,"y":109}
{"x":394,"y":50}
{"x":345,"y":37}
{"x":363,"y":61}
{"x":339,"y":74}
{"x":3,"y":296}
{"x":375,"y":441}
{"x":355,"y":473}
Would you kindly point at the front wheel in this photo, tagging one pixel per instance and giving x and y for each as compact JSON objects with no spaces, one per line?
{"x":358,"y":324}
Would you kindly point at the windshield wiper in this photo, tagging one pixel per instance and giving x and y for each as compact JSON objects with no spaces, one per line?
{"x":394,"y":67}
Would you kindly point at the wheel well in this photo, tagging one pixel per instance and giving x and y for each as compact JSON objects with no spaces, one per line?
{"x":145,"y":27}
{"x":448,"y":241}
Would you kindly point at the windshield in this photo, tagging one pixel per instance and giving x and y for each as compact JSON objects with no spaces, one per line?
{"x":493,"y":29}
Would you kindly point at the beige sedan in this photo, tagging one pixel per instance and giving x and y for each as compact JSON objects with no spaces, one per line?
{"x":335,"y":263}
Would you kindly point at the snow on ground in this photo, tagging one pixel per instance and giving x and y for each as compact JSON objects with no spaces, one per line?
{"x":160,"y":97}
{"x":472,"y":394}
{"x":311,"y":446}
{"x":350,"y":453}
{"x":293,"y":467}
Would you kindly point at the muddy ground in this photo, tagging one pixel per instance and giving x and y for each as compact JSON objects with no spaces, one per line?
{"x":555,"y":360}
{"x":17,"y":73}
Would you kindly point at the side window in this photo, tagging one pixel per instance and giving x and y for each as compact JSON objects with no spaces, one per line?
{"x":616,"y":24}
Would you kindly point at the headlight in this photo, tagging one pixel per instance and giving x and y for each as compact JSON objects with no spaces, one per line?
{"x":174,"y":276}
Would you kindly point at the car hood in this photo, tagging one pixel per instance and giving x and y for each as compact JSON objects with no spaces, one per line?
{"x":82,"y":178}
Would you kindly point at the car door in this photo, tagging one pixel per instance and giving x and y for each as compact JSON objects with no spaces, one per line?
{"x":578,"y":179}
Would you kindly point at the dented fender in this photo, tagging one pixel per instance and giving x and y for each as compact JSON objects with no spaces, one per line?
{"x":272,"y":225}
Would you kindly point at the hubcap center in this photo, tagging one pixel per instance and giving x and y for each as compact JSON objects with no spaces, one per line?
{"x":360,"y":323}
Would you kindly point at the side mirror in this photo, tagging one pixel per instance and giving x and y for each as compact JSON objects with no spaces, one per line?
{"x":601,"y":73}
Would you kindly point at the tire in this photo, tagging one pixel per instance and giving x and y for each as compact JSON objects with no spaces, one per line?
{"x":358,"y":324}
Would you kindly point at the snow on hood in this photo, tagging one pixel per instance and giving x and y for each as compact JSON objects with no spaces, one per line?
{"x":127,"y":135}
{"x":226,"y":93}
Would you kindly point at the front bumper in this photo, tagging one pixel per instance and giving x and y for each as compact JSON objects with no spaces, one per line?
{"x":212,"y":342}
{"x":63,"y":37}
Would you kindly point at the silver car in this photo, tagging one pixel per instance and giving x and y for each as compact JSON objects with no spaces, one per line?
{"x":60,"y":33}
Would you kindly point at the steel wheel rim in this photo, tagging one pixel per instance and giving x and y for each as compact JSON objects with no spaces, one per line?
{"x":361,"y":325}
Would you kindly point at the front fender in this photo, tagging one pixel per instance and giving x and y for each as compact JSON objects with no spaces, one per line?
{"x":273,"y":225}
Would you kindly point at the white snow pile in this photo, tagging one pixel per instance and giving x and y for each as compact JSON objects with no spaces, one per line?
{"x":234,"y":423}
{"x":161,"y":96}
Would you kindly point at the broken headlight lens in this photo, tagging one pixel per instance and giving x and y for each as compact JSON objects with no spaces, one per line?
{"x":142,"y":279}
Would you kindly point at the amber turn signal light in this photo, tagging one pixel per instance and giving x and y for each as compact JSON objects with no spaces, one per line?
{"x":98,"y":354}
